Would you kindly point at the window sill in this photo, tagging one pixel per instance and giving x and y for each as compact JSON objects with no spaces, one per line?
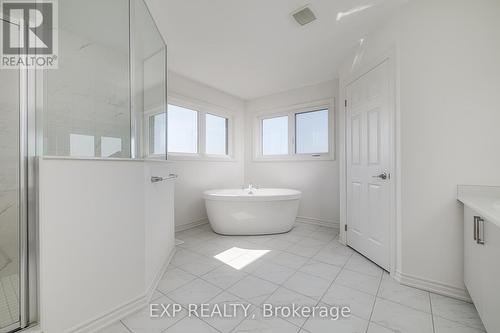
{"x":200,"y":158}
{"x":295,"y":158}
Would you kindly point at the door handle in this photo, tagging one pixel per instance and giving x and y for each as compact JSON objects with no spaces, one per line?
{"x":383,"y":176}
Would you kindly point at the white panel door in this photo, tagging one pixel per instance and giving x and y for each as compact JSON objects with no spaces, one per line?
{"x":368,"y":165}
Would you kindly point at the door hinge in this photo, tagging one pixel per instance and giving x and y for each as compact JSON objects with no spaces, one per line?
{"x":345,"y":103}
{"x":345,"y":227}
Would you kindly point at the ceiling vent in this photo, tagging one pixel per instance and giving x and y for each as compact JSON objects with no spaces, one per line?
{"x":304,"y":16}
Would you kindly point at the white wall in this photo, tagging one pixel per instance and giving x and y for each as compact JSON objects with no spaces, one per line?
{"x":198,"y":176}
{"x":449,"y":74}
{"x":318,"y":180}
{"x":105,"y":234}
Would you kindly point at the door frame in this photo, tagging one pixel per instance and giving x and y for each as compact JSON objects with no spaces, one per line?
{"x":346,"y":77}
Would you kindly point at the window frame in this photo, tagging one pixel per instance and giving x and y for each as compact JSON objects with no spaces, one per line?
{"x":291,"y":112}
{"x":202,"y":110}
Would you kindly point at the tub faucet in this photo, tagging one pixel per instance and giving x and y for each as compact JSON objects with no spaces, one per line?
{"x":250,"y":187}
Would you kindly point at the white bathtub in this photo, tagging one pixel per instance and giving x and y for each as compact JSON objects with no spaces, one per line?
{"x":252,"y":211}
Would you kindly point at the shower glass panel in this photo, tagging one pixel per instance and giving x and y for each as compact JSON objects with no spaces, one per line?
{"x":111,"y":80}
{"x":87,"y":103}
{"x":10,"y":191}
{"x":149,"y":84}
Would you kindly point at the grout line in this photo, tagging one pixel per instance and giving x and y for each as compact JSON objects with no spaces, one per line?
{"x":432,"y":314}
{"x":375,"y":301}
{"x":329,"y":286}
{"x":126,"y":327}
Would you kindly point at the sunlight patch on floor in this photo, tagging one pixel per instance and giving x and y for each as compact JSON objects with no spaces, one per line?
{"x":238,"y":258}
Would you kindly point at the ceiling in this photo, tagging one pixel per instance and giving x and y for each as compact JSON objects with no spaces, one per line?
{"x":254,"y":48}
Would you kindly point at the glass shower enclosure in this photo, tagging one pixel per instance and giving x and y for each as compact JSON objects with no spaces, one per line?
{"x":106,"y":100}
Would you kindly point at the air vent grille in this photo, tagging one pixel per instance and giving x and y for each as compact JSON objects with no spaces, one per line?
{"x":304,"y":16}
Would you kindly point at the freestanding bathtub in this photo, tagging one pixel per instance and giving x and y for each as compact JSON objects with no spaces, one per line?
{"x":252,"y":211}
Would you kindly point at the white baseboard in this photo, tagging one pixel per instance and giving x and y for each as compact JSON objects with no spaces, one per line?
{"x":191,"y":225}
{"x":323,"y":223}
{"x":433,"y":286}
{"x":125,"y":309}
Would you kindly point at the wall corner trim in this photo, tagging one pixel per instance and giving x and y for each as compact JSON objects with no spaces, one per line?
{"x":432,"y":286}
{"x":191,"y":225}
{"x":320,"y":222}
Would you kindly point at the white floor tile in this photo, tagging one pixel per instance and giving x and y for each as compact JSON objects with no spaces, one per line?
{"x":306,"y":284}
{"x":345,"y":325}
{"x":330,"y":256}
{"x":224,"y":276}
{"x":115,"y":328}
{"x":360,"y":303}
{"x":195,"y":292}
{"x":142,"y":322}
{"x":195,"y":263}
{"x":358,"y":281}
{"x":273,"y":272}
{"x":259,"y":324}
{"x":225,"y":325}
{"x":289,"y":260}
{"x":376,"y":328}
{"x":321,"y":235}
{"x":392,"y":290}
{"x":253,"y":289}
{"x":360,"y":264}
{"x":442,"y":325}
{"x":322,"y":270}
{"x":191,"y":324}
{"x":156,"y":294}
{"x":456,"y":310}
{"x":304,"y":250}
{"x":286,"y":297}
{"x":173,"y":279}
{"x":401,"y":318}
{"x":279,"y":244}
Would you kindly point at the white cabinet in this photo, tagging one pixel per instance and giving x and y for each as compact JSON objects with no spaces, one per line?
{"x":482,"y":267}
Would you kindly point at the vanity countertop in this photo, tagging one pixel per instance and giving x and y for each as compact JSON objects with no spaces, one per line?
{"x":483,"y":199}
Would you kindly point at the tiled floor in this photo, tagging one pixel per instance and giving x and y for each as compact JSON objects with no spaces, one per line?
{"x":9,"y":300}
{"x":306,"y":266}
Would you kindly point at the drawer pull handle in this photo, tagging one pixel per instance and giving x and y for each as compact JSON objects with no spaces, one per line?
{"x":475,"y":227}
{"x":479,"y":230}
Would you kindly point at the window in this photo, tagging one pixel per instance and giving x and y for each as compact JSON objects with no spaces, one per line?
{"x":300,"y":134}
{"x":81,"y":145}
{"x":216,"y":140}
{"x":111,"y":147}
{"x":157,"y":131}
{"x":275,"y":136}
{"x":182,"y":130}
{"x":189,"y":131}
{"x":311,"y":132}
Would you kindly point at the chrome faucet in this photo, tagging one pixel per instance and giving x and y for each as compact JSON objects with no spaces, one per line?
{"x":249,"y":187}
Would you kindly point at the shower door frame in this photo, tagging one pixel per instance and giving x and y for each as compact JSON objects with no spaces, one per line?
{"x":28,"y":217}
